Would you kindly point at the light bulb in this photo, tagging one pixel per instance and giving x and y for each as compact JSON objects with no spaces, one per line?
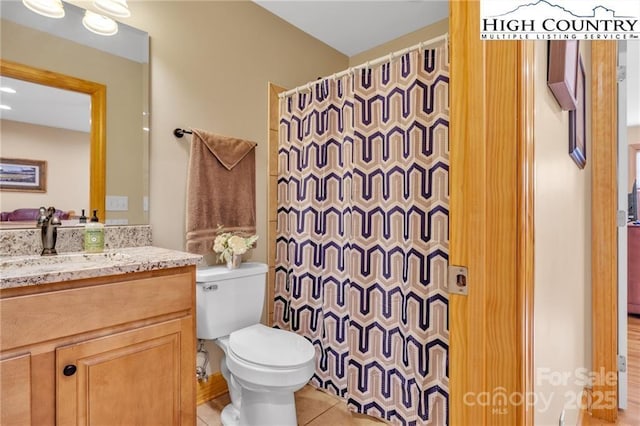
{"x":117,"y":8}
{"x":99,"y":24}
{"x":48,"y":8}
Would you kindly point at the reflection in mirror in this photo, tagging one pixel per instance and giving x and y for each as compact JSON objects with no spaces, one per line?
{"x":21,"y":136}
{"x":49,"y":125}
{"x":120,"y":63}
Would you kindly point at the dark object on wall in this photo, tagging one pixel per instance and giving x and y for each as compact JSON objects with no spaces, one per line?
{"x":578,"y":123}
{"x":562,"y":72}
{"x":178,"y":132}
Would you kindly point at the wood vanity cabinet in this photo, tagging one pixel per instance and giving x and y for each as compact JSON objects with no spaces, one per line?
{"x":110,"y":350}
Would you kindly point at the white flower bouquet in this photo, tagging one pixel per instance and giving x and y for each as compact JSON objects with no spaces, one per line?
{"x":228,"y":244}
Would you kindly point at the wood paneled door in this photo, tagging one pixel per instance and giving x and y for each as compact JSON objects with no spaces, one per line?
{"x":491,"y":220}
{"x":126,"y":378}
{"x":15,"y":390}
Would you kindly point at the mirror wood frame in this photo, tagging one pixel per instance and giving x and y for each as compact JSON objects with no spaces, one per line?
{"x":98,"y":132}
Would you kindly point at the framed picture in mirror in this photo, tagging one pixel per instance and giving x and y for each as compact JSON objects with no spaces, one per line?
{"x":578,"y":123}
{"x":23,"y":175}
{"x":562,"y":72}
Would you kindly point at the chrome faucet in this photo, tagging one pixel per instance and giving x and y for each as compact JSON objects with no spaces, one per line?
{"x":48,"y":223}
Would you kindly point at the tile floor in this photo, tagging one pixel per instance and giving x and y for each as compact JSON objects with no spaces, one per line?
{"x":314,"y":408}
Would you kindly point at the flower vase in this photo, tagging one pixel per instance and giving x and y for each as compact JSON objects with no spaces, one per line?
{"x":234,"y":261}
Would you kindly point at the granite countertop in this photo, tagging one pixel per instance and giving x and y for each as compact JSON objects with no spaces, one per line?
{"x":21,"y":271}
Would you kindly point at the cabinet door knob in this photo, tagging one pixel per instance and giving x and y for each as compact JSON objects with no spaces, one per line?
{"x":69,"y":370}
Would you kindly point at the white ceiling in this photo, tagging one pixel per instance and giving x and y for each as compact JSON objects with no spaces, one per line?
{"x":45,"y":106}
{"x":353,"y":26}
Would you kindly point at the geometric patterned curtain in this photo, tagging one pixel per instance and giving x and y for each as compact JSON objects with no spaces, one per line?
{"x":362,"y":234}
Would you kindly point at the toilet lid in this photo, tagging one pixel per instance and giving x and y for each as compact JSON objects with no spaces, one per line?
{"x":270,"y":347}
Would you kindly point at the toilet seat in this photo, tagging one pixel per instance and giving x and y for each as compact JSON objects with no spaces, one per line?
{"x":271,"y":348}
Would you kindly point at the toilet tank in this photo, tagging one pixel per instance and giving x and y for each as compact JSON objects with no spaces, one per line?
{"x":229,"y":299}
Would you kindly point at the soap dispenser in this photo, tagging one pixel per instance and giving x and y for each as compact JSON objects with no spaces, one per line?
{"x":94,"y":235}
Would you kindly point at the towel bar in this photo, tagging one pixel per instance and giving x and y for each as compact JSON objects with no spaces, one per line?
{"x":178,"y":132}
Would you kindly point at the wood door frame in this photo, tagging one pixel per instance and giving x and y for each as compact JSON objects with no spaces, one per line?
{"x":272,"y":198}
{"x":604,"y":250}
{"x":491,"y":221}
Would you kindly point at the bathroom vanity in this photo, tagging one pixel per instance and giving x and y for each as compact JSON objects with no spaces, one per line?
{"x":103,"y":339}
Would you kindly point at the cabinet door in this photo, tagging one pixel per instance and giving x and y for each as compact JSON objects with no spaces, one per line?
{"x":133,"y":377}
{"x":15,"y":390}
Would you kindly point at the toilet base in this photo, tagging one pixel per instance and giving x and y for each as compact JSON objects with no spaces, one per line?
{"x":229,"y":416}
{"x":271,"y":408}
{"x":262,"y":409}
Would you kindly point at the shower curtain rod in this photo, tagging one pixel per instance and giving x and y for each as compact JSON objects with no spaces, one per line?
{"x":368,"y":64}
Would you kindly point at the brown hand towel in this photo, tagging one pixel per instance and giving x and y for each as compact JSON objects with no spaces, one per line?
{"x":221,"y":189}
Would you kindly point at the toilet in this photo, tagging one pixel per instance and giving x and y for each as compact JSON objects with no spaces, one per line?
{"x":263,"y":366}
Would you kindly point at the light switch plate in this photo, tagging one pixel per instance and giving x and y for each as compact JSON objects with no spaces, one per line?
{"x":117,"y":203}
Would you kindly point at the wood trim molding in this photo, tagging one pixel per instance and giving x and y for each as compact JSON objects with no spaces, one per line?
{"x":466,"y":194}
{"x":604,"y":250}
{"x":98,"y":134}
{"x":584,"y":416}
{"x":211,"y":389}
{"x":526,"y":221}
{"x":272,"y":201}
{"x":491,"y":220}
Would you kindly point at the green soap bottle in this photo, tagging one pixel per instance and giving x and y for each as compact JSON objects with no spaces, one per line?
{"x":94,"y":235}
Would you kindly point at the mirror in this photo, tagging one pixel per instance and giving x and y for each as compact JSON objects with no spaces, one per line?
{"x":113,"y":71}
{"x":97,"y":143}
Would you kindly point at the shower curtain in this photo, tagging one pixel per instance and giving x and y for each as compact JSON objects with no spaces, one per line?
{"x":362,"y":234}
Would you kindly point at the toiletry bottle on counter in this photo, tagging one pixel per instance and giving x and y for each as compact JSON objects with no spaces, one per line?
{"x":94,"y":235}
{"x":83,"y":218}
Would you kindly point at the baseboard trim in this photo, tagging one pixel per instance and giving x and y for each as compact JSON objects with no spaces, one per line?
{"x":212,"y":388}
{"x":584,"y":416}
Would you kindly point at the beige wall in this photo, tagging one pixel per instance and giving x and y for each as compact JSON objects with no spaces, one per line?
{"x":67,"y":187}
{"x":562,"y":313}
{"x":125,"y":81}
{"x":210,"y":65}
{"x":633,"y":134}
{"x":423,"y":34}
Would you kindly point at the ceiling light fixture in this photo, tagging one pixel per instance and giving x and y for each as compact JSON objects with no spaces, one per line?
{"x":48,"y":8}
{"x":7,"y":90}
{"x":117,"y":8}
{"x":99,"y":24}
